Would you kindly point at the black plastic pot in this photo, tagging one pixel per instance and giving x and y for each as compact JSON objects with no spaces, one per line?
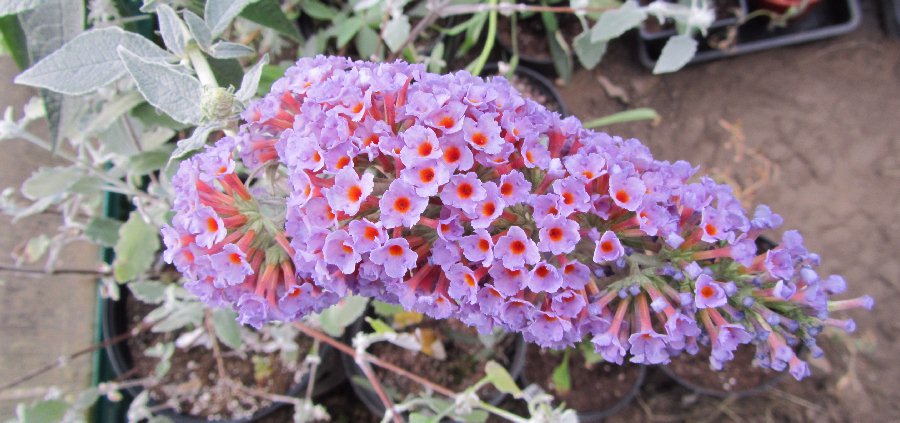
{"x":535,"y":78}
{"x":370,"y":398}
{"x":115,"y":322}
{"x":542,"y":64}
{"x":829,"y":18}
{"x":890,"y":17}
{"x":647,"y":34}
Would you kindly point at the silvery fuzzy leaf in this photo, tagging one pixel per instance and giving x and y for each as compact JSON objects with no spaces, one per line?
{"x":616,"y":22}
{"x":199,"y":29}
{"x":171,"y":29}
{"x":337,"y":317}
{"x":135,"y":249}
{"x":47,"y":27}
{"x":227,"y":328}
{"x":175,"y":93}
{"x":150,"y":292}
{"x":250,"y":82}
{"x":396,"y":32}
{"x":50,"y":181}
{"x":220,"y":13}
{"x":677,"y":52}
{"x":89,"y":61}
{"x":226,"y":50}
{"x":12,"y":7}
{"x":589,"y":53}
{"x":195,"y":142}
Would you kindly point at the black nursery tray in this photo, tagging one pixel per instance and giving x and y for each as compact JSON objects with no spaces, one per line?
{"x":827,"y":19}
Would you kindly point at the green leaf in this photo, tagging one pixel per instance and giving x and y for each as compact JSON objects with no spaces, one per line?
{"x":89,"y":61}
{"x":337,"y":317}
{"x":103,"y":231}
{"x":14,"y":40}
{"x":36,"y":248}
{"x":562,"y":55}
{"x":367,"y":41}
{"x":164,"y":352}
{"x":250,"y":81}
{"x":632,"y":115}
{"x":270,"y":74}
{"x":149,"y":161}
{"x":50,"y":181}
{"x":347,"y":29}
{"x":396,"y":32}
{"x":149,"y":116}
{"x":268,"y":13}
{"x":318,"y":10}
{"x":12,"y":7}
{"x":228,"y":72}
{"x":193,"y":143}
{"x":136,"y":248}
{"x":227,"y":328}
{"x":677,"y":52}
{"x":150,"y":292}
{"x":171,"y":29}
{"x":589,"y":53}
{"x":48,"y":411}
{"x":501,"y":379}
{"x":379,"y":326}
{"x":175,"y":93}
{"x":616,"y":22}
{"x":388,"y":310}
{"x":220,"y":13}
{"x":562,"y":381}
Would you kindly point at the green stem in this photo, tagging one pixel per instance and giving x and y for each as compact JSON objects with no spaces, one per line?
{"x":502,"y":413}
{"x":201,"y":66}
{"x":478,"y":64}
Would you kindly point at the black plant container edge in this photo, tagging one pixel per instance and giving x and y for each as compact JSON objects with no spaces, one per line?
{"x":373,"y":402}
{"x":720,"y":393}
{"x":718,"y":23}
{"x":542,"y":82}
{"x":113,"y":323}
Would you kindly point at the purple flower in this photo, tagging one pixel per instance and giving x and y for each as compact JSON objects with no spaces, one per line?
{"x":708,"y":293}
{"x":763,"y":218}
{"x":568,"y":304}
{"x":515,"y":249}
{"x":729,"y":337}
{"x":544,"y":278}
{"x":366,"y":235}
{"x":548,"y":329}
{"x":395,"y":256}
{"x":609,"y":347}
{"x":648,"y":347}
{"x":447,"y":119}
{"x":608,"y":248}
{"x":743,"y":250}
{"x":231,"y":267}
{"x":517,"y":314}
{"x":779,"y":263}
{"x":488,"y":209}
{"x":445,"y":254}
{"x":339,"y":251}
{"x":456,"y":154}
{"x":575,"y":275}
{"x":449,"y":228}
{"x":558,"y":235}
{"x":678,"y":327}
{"x":536,"y":155}
{"x":478,"y":247}
{"x":349,"y":190}
{"x":463,"y":192}
{"x":514,"y":188}
{"x":207,"y":226}
{"x":545,"y":206}
{"x":420,"y":143}
{"x":463,"y":284}
{"x":626,"y":191}
{"x":572,"y":195}
{"x":490,"y":300}
{"x":483,"y":134}
{"x":401,"y":205}
{"x":427,"y":176}
{"x":586,"y":167}
{"x":508,"y":281}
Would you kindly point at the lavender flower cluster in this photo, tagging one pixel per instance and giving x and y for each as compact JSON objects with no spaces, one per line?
{"x":456,"y":197}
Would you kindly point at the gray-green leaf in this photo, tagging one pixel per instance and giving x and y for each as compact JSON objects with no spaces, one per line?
{"x":616,"y":22}
{"x":589,"y":53}
{"x":337,"y":317}
{"x":49,"y":181}
{"x":347,"y":29}
{"x":677,"y":52}
{"x":396,"y":32}
{"x":89,"y":61}
{"x":135,"y":249}
{"x":227,"y":328}
{"x":150,"y":292}
{"x":268,"y":13}
{"x":220,"y":13}
{"x":250,"y":82}
{"x":199,"y":29}
{"x":11,"y":7}
{"x":171,"y":29}
{"x":193,"y":143}
{"x":501,"y":379}
{"x":48,"y":411}
{"x":175,"y":93}
{"x":103,"y":231}
{"x":227,"y":50}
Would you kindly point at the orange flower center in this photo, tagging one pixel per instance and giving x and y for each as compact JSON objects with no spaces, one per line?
{"x":483,"y":245}
{"x":426,"y":175}
{"x":425,"y":149}
{"x":395,"y":250}
{"x":568,"y":198}
{"x":452,"y":154}
{"x":342,"y":162}
{"x":488,"y":209}
{"x":446,"y":122}
{"x":212,"y":225}
{"x":622,"y":196}
{"x":234,"y":258}
{"x":370,"y":233}
{"x":542,"y":271}
{"x":402,"y":204}
{"x":711,"y":229}
{"x":479,"y":139}
{"x":354,"y":193}
{"x":556,"y":234}
{"x":464,"y":191}
{"x":506,"y":189}
{"x":517,"y":247}
{"x":606,"y":246}
{"x":707,"y":291}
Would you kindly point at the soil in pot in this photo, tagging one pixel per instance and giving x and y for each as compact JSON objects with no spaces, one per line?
{"x":463,"y":366}
{"x":193,"y":373}
{"x":596,"y":387}
{"x":738,"y":376}
{"x":531,"y":36}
